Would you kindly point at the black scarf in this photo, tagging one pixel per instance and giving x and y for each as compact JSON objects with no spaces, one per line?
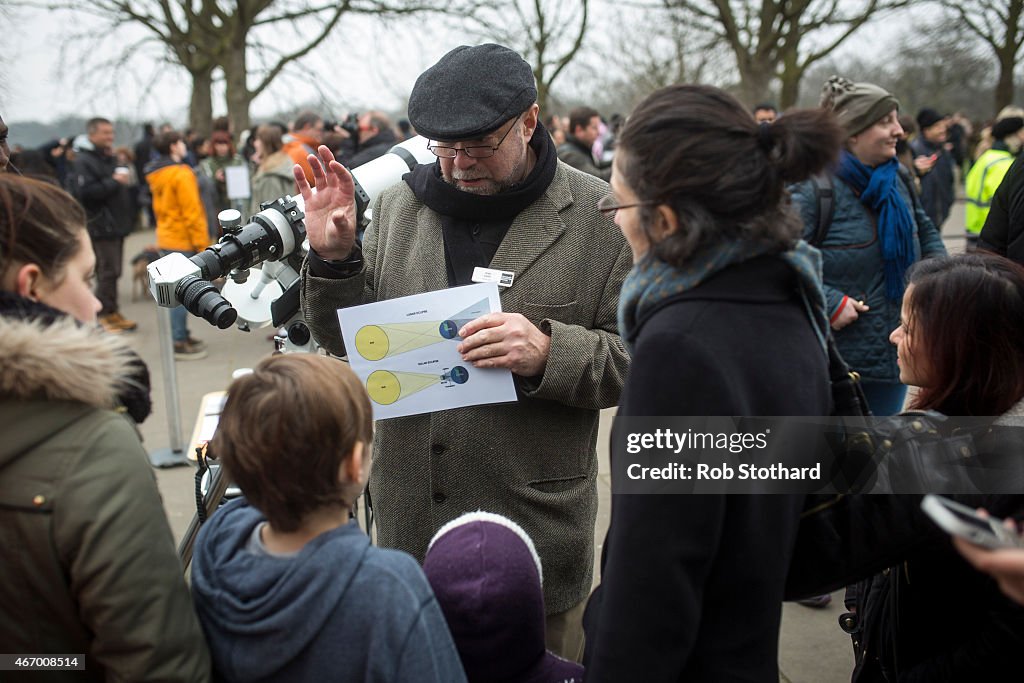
{"x":474,"y":225}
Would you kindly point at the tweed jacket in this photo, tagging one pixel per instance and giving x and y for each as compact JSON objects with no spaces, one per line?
{"x":534,"y":460}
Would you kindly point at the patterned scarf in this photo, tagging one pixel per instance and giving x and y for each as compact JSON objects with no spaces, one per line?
{"x":652,"y":281}
{"x":879,"y":191}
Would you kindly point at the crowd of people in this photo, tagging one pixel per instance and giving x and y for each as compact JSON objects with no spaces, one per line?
{"x":705,"y":268}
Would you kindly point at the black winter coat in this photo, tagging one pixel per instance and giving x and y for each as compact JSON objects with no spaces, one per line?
{"x":937,"y":184}
{"x":922,"y":614}
{"x":108,"y":204}
{"x":1004,"y":228}
{"x":934,"y":618}
{"x":692,"y":584}
{"x":377,"y":146}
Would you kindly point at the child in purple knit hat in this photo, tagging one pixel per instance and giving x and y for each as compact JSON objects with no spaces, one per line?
{"x":487,"y":577}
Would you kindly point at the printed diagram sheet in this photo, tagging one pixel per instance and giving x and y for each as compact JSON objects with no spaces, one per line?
{"x":404,"y":350}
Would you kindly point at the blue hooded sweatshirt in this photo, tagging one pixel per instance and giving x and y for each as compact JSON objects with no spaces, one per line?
{"x":340,"y":609}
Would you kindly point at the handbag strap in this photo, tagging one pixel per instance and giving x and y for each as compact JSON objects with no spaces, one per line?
{"x":847,"y":394}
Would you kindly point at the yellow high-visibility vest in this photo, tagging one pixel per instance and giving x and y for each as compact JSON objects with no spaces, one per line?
{"x":982,"y":180}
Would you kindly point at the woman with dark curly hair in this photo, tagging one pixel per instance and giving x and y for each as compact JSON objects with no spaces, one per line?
{"x":724,"y":315}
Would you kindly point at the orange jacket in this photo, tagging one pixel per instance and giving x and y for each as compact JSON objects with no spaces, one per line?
{"x":298,"y":149}
{"x":180,"y":218}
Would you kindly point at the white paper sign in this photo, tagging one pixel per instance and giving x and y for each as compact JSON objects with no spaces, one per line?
{"x":404,"y":351}
{"x":237,"y":179}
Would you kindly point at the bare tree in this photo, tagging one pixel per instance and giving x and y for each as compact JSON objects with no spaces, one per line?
{"x":937,"y":65}
{"x":1000,"y":24}
{"x":650,"y":52}
{"x":769,"y":38}
{"x":547,"y":33}
{"x":204,"y":36}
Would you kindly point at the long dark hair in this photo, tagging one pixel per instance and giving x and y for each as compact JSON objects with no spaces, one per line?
{"x":967,"y":325}
{"x":697,"y":149}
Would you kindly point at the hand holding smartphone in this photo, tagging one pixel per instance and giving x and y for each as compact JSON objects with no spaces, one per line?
{"x":963,"y":522}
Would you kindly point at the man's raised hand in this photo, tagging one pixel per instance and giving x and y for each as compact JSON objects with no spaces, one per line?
{"x":331,"y":210}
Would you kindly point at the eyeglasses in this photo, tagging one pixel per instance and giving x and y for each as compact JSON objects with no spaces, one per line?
{"x":474,"y":152}
{"x":608,"y":207}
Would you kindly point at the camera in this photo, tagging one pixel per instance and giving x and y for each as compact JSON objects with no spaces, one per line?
{"x":273,"y":237}
{"x":351,"y":125}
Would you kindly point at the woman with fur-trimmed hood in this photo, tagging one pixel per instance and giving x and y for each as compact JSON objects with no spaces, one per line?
{"x":91,"y":566}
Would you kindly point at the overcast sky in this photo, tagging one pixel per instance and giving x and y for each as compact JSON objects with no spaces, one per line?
{"x":362,"y":65}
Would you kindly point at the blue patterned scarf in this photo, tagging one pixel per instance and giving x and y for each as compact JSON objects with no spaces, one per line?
{"x":879,"y":191}
{"x":651,"y":281}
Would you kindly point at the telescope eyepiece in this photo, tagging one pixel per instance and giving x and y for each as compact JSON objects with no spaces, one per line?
{"x":204,"y":300}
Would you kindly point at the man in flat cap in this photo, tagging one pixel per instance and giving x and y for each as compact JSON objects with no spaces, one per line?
{"x":496,"y":198}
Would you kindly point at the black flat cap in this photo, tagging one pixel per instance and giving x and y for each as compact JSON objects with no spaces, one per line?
{"x":1007,"y":126}
{"x":471,"y":92}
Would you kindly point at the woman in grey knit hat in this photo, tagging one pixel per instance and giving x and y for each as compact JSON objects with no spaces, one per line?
{"x":869,"y":232}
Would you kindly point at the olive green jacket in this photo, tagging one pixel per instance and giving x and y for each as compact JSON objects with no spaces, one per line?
{"x":89,"y":565}
{"x":535,"y":460}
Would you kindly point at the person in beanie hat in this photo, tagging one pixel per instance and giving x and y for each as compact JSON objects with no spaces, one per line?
{"x":934,"y":164}
{"x":988,"y":172}
{"x":487,"y":577}
{"x":497,"y":198}
{"x":877,"y":230}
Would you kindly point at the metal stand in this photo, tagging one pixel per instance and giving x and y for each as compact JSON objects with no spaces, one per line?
{"x":175,"y":455}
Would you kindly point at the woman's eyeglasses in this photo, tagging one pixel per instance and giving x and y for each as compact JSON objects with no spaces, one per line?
{"x":608,"y":206}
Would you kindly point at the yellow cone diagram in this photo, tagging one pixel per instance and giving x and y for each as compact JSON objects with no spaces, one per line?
{"x":387,"y":386}
{"x":376,"y":342}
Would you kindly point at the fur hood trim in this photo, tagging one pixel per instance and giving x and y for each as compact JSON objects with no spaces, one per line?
{"x":62,"y":361}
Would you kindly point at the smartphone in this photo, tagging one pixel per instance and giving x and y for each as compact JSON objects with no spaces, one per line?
{"x":964,"y":522}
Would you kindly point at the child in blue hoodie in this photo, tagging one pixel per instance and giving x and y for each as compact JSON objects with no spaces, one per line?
{"x":286,"y":585}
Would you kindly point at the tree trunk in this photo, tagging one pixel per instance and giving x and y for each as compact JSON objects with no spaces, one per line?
{"x":790,"y":90}
{"x":755,"y":83}
{"x":542,"y":98}
{"x":792,"y":74}
{"x":543,"y":88}
{"x":236,"y":87}
{"x":791,"y":71}
{"x":200,"y":108}
{"x":1004,"y":87}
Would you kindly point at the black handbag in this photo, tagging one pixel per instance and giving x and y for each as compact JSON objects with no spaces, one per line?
{"x":852,"y":441}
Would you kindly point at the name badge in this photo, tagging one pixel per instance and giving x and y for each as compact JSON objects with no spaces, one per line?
{"x":502,"y":277}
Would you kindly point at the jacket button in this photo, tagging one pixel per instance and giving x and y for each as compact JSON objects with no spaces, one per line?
{"x":440,"y":497}
{"x":437,"y":449}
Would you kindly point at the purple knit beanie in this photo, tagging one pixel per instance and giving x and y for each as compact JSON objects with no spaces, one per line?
{"x":487,"y":577}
